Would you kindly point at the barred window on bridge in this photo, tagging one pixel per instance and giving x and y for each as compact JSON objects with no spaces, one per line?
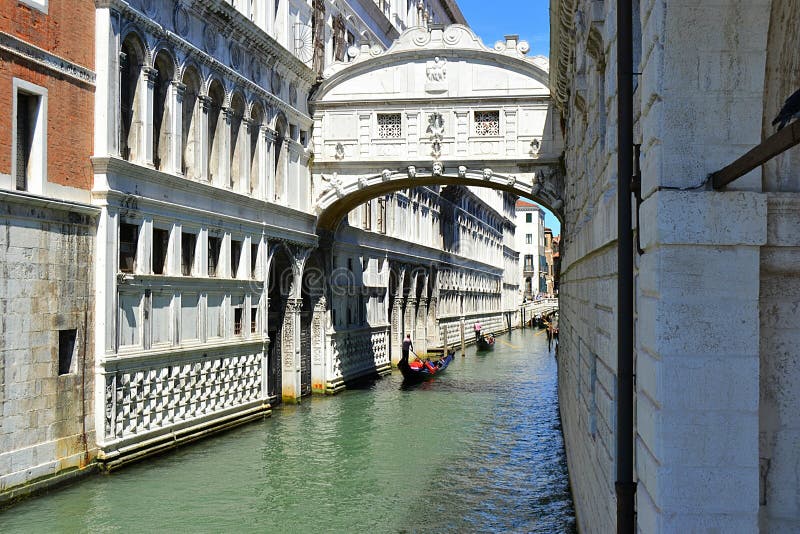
{"x":487,"y":123}
{"x":389,"y":126}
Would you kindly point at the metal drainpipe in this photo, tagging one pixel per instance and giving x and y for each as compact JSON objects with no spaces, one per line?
{"x":625,"y":487}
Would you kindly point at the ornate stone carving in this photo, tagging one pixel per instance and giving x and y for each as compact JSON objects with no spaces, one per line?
{"x":512,"y":180}
{"x":412,"y":171}
{"x":362,"y":182}
{"x":536,"y":145}
{"x":210,"y":38}
{"x":164,"y":394}
{"x":386,"y":175}
{"x":335,"y":183}
{"x":487,"y":174}
{"x":438,"y":168}
{"x":462,"y":171}
{"x":180,"y":20}
{"x":276,"y":83}
{"x":436,"y":73}
{"x":255,"y":70}
{"x":436,"y":130}
{"x":236,"y":56}
{"x":339,"y":151}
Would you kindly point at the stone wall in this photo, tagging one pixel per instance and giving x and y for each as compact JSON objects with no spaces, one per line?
{"x":46,"y":293}
{"x":697,"y":291}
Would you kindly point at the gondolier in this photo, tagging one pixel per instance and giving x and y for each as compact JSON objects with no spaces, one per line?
{"x":478,"y":327}
{"x":407,"y":346}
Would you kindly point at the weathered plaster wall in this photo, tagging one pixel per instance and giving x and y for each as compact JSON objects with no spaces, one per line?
{"x":46,"y":285}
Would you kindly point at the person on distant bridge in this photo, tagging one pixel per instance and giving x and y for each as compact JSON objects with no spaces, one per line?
{"x":407,"y":346}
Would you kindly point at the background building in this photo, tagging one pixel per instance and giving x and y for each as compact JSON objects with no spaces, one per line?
{"x":531,"y":247}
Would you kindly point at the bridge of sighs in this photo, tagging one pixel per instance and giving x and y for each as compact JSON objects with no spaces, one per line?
{"x":438,"y":113}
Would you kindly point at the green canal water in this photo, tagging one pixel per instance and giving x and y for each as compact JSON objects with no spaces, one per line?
{"x":478,"y":449}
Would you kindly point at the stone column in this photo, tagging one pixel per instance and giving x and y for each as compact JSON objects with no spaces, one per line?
{"x":269,"y":171}
{"x":223,"y":174}
{"x":175,"y":163}
{"x":107,"y":95}
{"x":319,"y":368}
{"x":204,"y":142}
{"x":421,"y":335}
{"x":147,"y":84}
{"x":697,"y":359}
{"x":290,"y":351}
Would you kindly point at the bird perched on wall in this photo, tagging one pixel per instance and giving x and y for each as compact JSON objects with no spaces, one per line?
{"x":789,"y":111}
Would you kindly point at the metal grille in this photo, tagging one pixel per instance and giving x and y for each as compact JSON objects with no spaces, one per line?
{"x":389,"y":126}
{"x":487,"y":123}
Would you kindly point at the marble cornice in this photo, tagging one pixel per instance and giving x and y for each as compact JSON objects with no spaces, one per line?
{"x":29,"y":52}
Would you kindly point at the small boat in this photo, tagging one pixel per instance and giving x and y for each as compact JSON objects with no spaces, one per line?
{"x":420,"y":370}
{"x":486,"y":342}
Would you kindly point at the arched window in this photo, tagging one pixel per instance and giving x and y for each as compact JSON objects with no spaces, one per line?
{"x":162,"y":111}
{"x":131,"y":60}
{"x":239,"y":145}
{"x":280,"y":159}
{"x":216,"y":128}
{"x":190,"y":124}
{"x":256,"y":147}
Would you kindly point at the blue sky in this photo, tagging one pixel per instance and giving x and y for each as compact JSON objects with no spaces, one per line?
{"x":530,"y":19}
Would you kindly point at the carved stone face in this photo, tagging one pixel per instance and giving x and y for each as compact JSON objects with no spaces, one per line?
{"x":412,"y":171}
{"x":462,"y":171}
{"x":438,"y":168}
{"x":386,"y":174}
{"x":487,"y":174}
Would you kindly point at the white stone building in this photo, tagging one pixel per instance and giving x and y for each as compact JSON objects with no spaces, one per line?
{"x":716,"y":331}
{"x":211,"y":302}
{"x":530,"y":245}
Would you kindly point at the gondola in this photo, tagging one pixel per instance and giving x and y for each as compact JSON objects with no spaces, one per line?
{"x":420,"y":370}
{"x":486,"y":342}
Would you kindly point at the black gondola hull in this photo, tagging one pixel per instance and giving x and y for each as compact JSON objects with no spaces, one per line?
{"x":411,"y":374}
{"x":482,"y":344}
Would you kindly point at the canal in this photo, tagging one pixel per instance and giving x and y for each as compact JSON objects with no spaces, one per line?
{"x":477,"y":449}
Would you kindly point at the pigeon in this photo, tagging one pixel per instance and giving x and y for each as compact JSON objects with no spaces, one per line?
{"x":789,"y":111}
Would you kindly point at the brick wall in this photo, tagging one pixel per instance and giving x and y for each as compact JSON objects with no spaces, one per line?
{"x":67,"y":30}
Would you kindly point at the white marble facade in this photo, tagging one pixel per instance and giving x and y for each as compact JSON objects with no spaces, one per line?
{"x":213,"y":301}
